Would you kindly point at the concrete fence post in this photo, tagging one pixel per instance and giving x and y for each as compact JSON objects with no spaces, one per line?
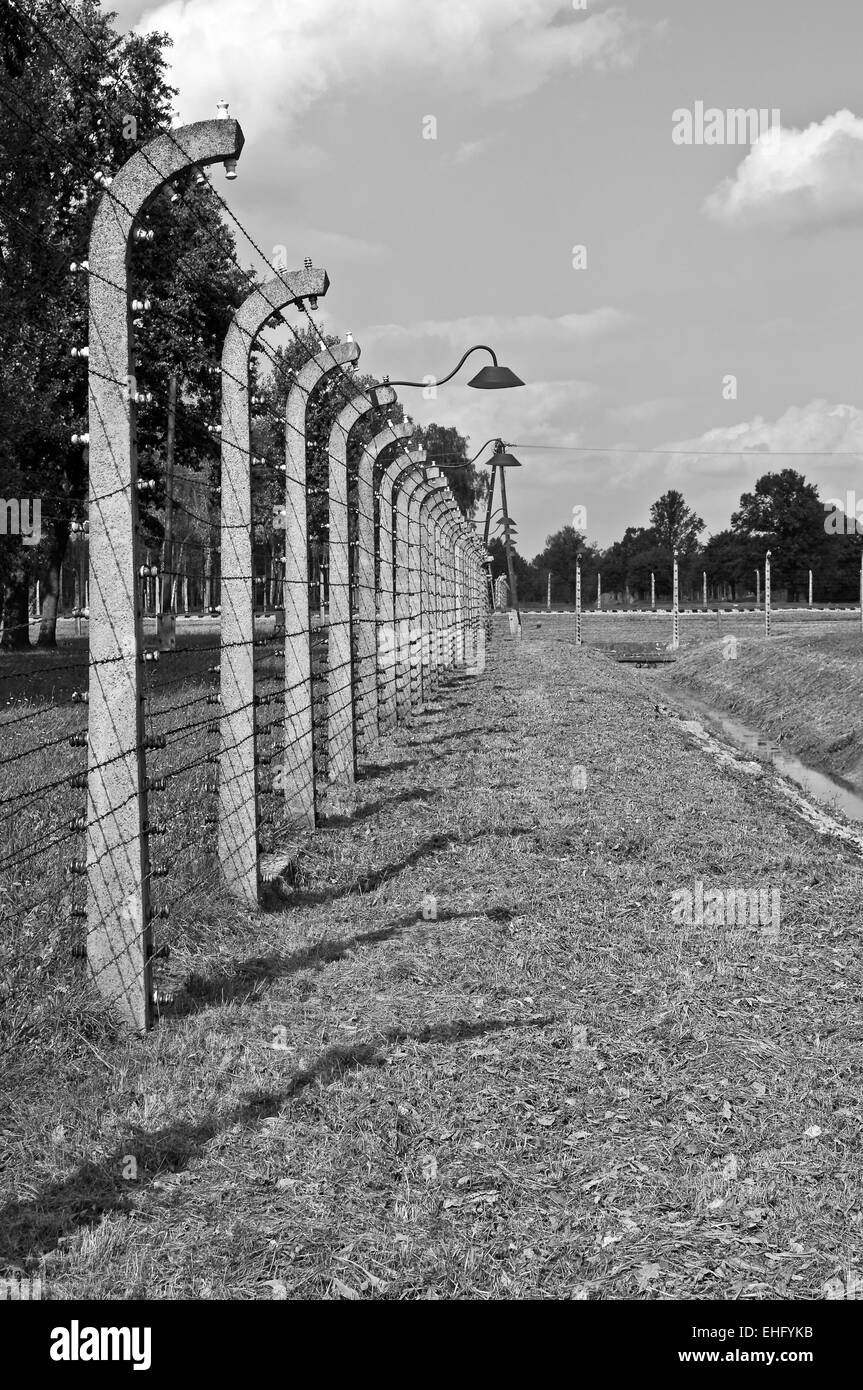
{"x":119,"y":927}
{"x":388,"y":439}
{"x":298,"y":765}
{"x":406,"y":477}
{"x":341,"y":729}
{"x":239,"y":850}
{"x":767,"y":594}
{"x":433,"y":506}
{"x":366,"y":644}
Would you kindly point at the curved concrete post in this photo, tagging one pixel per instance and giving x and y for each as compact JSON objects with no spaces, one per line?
{"x":460,"y":646}
{"x":449,"y":530}
{"x":298,"y":777}
{"x":416,"y":489}
{"x":475,"y":589}
{"x":239,"y":853}
{"x":119,"y":931}
{"x":366,"y":636}
{"x":341,"y":729}
{"x":404,"y":477}
{"x":385,"y":640}
{"x":446,"y":582}
{"x":432,"y":509}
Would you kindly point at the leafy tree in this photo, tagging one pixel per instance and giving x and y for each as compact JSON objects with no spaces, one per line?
{"x":674,"y":524}
{"x":445,"y":447}
{"x":86,"y":99}
{"x":732,"y":559}
{"x":785,"y":515}
{"x":562,"y":551}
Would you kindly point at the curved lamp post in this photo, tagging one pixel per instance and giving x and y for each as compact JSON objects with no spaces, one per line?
{"x":500,"y":461}
{"x":493,"y":378}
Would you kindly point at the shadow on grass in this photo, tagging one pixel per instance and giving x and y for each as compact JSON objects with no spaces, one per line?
{"x":31,"y":1228}
{"x":252,"y":976}
{"x":457,"y":733}
{"x":375,"y":807}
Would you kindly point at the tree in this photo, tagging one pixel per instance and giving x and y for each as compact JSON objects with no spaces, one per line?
{"x":732,"y":559}
{"x":784,"y":515}
{"x":675,"y":525}
{"x":62,"y":121}
{"x":445,"y":447}
{"x":85,"y":101}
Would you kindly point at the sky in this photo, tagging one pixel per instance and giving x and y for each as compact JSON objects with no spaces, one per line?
{"x":444,"y":162}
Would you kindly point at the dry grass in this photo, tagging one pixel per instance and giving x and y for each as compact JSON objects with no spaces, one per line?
{"x":802,"y":688}
{"x":550,"y":1091}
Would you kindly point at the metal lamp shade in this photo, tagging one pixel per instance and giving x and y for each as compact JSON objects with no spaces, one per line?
{"x":494,"y":378}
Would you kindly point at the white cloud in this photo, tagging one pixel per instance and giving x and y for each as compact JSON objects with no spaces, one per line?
{"x":468,"y":150}
{"x":274,"y":60}
{"x":805,"y":178}
{"x":336,"y":244}
{"x":642,"y":412}
{"x":499,"y":330}
{"x":802,"y":439}
{"x":543,"y":412}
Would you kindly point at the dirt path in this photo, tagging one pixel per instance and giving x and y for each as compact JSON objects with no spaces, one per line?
{"x":552,"y":1090}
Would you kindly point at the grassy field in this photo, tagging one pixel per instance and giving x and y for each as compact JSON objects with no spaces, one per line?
{"x":552,"y":1090}
{"x":804,"y":688}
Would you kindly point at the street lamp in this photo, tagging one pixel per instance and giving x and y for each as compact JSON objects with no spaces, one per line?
{"x":501,"y":460}
{"x":493,"y":378}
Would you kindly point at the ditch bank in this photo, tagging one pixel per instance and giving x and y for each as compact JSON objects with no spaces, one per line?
{"x":803,"y":692}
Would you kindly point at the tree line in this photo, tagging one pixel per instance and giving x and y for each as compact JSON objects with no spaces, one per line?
{"x":77,"y":98}
{"x":783,"y":514}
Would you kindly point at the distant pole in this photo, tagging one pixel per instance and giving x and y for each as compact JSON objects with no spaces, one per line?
{"x":652,"y":589}
{"x":578,"y":600}
{"x":675,"y":608}
{"x":704,"y":578}
{"x":508,"y":544}
{"x":810,"y":588}
{"x":757,"y":588}
{"x":599,"y":593}
{"x":767,"y":594}
{"x":548,"y":602}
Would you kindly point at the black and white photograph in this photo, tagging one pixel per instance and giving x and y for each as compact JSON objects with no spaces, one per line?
{"x":431,"y":675}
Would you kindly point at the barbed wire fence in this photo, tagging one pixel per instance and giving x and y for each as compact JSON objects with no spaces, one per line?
{"x":162,"y":821}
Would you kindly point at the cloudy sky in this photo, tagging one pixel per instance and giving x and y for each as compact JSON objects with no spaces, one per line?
{"x":717,"y":314}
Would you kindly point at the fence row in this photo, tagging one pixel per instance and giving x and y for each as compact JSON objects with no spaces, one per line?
{"x":406,"y":602}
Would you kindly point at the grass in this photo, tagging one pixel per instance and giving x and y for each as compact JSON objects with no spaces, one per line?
{"x":802,"y":688}
{"x":550,"y":1091}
